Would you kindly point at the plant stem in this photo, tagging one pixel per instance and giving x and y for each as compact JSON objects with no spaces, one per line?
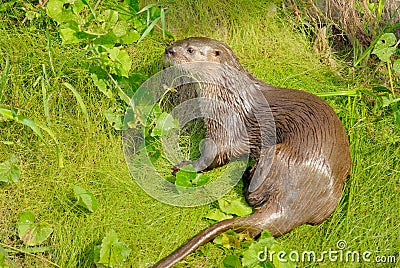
{"x":390,"y":77}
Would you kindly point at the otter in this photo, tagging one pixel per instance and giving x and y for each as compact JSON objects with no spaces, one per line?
{"x":298,"y":179}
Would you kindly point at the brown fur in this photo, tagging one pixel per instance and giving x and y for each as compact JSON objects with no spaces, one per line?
{"x":301,"y":175}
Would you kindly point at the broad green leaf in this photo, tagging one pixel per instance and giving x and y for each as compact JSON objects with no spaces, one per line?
{"x":257,"y":255}
{"x":64,"y":10}
{"x":108,"y":40}
{"x":120,"y":28}
{"x":130,"y":37}
{"x":32,"y":233}
{"x":184,"y":177}
{"x":100,"y":79}
{"x":200,"y":180}
{"x":235,"y":207}
{"x":217,"y":215}
{"x":9,"y":172}
{"x":109,"y":17}
{"x":85,"y":199}
{"x":122,"y":61}
{"x":279,"y":263}
{"x":384,"y":47}
{"x":116,"y":118}
{"x":164,"y":123}
{"x":69,"y":33}
{"x":229,"y":240}
{"x":112,"y":252}
{"x":386,"y":40}
{"x":231,"y":262}
{"x":188,"y":177}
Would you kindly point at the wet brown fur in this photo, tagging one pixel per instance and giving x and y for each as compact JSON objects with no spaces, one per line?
{"x":302,"y":174}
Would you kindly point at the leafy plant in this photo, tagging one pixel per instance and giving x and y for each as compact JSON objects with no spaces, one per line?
{"x":111,"y":252}
{"x":85,"y":199}
{"x":9,"y":172}
{"x":384,"y":49}
{"x":259,"y":253}
{"x":241,"y":243}
{"x":227,"y":208}
{"x":188,"y":177}
{"x":104,"y":33}
{"x":32,"y":233}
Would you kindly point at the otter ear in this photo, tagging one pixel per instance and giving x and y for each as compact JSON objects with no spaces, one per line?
{"x":217,"y":52}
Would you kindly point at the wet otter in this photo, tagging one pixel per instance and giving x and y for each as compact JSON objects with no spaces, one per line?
{"x":298,"y":179}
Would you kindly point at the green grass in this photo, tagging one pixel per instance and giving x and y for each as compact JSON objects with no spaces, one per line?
{"x":368,"y":215}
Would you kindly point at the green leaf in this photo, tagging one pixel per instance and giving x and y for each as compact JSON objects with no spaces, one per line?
{"x":164,"y":123}
{"x":112,"y":252}
{"x":184,"y":177}
{"x":217,"y":215}
{"x":64,"y":10}
{"x":280,"y":263}
{"x":69,"y":33}
{"x":396,"y":66}
{"x":384,"y":47}
{"x":230,"y":239}
{"x":32,"y":233}
{"x":188,"y":177}
{"x":122,"y":61}
{"x":85,"y":199}
{"x":100,"y":79}
{"x":235,"y":207}
{"x":386,"y":40}
{"x":116,"y":118}
{"x":9,"y":172}
{"x":257,"y":255}
{"x":131,"y":37}
{"x":231,"y":262}
{"x":3,"y":257}
{"x":109,"y":17}
{"x":108,"y":40}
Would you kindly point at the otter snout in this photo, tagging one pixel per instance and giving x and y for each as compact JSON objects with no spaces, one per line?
{"x":169,"y":51}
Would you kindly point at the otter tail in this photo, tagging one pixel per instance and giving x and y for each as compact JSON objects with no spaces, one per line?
{"x":204,"y":237}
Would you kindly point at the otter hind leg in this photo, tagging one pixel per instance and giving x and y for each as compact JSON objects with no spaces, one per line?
{"x":302,"y":191}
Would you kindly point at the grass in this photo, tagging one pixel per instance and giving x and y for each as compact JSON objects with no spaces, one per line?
{"x":367,"y":217}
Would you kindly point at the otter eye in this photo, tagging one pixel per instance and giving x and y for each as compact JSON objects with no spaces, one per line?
{"x":190,"y":50}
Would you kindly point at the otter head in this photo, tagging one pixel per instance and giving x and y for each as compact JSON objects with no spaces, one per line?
{"x":200,"y":49}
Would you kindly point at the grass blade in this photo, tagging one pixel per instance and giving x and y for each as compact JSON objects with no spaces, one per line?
{"x":350,"y":93}
{"x":80,"y":102}
{"x":149,"y":29}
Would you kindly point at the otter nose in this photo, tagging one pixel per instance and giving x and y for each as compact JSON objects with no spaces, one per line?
{"x":169,"y":51}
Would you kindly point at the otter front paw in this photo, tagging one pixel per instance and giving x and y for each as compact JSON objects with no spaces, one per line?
{"x":176,"y":168}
